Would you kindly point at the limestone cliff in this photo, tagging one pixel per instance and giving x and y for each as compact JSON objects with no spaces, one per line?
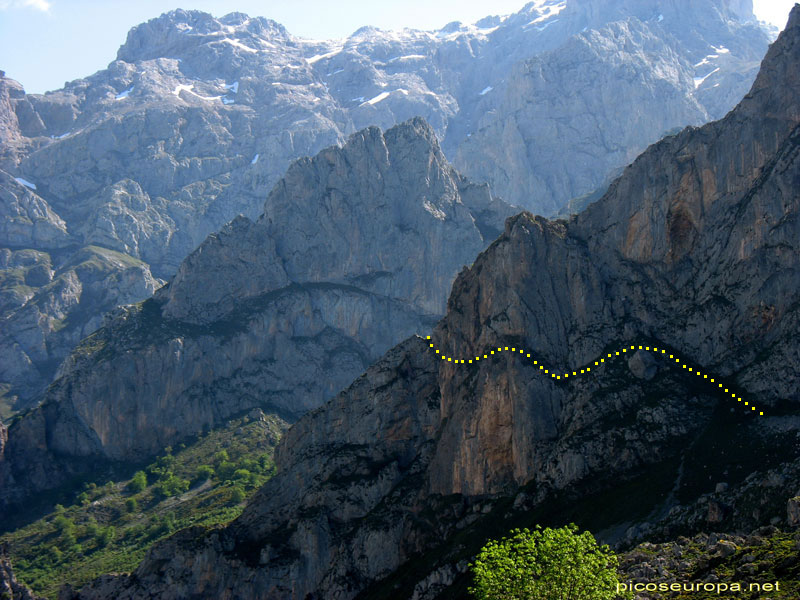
{"x":198,"y":117}
{"x":385,"y":490}
{"x":355,"y":251}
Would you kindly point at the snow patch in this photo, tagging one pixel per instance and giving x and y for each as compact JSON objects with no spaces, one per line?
{"x":436,"y":212}
{"x":228,"y":101}
{"x":486,"y":90}
{"x":183,"y":27}
{"x":125,"y":94}
{"x":376,"y":99}
{"x":239,"y":44}
{"x":546,"y":25}
{"x":318,"y":57}
{"x":25,"y":182}
{"x":255,"y":159}
{"x":406,"y":57}
{"x":721,"y":50}
{"x":359,"y":99}
{"x":233,"y":87}
{"x":190,"y":88}
{"x":334,"y":72}
{"x":698,"y":81}
{"x":546,"y":12}
{"x":660,"y":18}
{"x":180,"y":88}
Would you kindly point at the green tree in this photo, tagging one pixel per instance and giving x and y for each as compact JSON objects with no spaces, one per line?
{"x":138,"y":483}
{"x":171,"y":485}
{"x":92,"y":528}
{"x":225,"y":470}
{"x":543,"y":564}
{"x":204,"y":473}
{"x":243,"y":476}
{"x":106,"y":536}
{"x":63,"y":524}
{"x":131,"y":505}
{"x":237,"y":495}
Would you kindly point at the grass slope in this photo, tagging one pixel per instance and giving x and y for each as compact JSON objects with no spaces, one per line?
{"x":110,"y":526}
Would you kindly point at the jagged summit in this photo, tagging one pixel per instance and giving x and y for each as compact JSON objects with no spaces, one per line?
{"x":355,"y":250}
{"x":172,"y":33}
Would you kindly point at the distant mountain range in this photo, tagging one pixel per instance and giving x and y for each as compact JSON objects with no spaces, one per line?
{"x":109,"y":183}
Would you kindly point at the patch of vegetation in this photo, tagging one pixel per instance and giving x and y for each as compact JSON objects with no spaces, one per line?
{"x":109,"y":527}
{"x":543,"y":564}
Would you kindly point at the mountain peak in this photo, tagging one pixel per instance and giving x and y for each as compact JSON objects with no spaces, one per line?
{"x":174,"y":31}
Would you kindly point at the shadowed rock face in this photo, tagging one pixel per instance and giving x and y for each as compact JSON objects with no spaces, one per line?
{"x":694,"y":248}
{"x":355,"y":251}
{"x":199,"y":117}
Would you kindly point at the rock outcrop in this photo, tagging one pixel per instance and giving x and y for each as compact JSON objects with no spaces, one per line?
{"x":199,"y":117}
{"x":355,"y":251}
{"x":10,"y":588}
{"x":693,"y":249}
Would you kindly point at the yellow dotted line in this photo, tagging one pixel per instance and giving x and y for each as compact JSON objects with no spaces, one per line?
{"x":597,"y":363}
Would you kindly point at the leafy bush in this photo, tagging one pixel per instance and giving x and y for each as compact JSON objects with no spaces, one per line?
{"x":243,"y":475}
{"x":171,"y":485}
{"x":138,"y":483}
{"x":237,"y":495}
{"x":106,"y":536}
{"x":204,"y":473}
{"x":225,"y":470}
{"x":131,"y":505}
{"x":92,"y":528}
{"x":544,"y":564}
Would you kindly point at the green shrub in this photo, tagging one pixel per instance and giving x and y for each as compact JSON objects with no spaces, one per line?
{"x":171,"y":485}
{"x":138,"y":483}
{"x":544,"y":564}
{"x":225,"y":470}
{"x":204,"y":473}
{"x":243,"y":475}
{"x":92,"y":528}
{"x":54,"y":554}
{"x":131,"y":505}
{"x":237,"y":495}
{"x":63,"y":524}
{"x":106,"y":536}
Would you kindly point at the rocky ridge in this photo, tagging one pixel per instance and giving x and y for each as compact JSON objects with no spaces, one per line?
{"x":383,"y":225}
{"x":693,"y":248}
{"x":199,"y":117}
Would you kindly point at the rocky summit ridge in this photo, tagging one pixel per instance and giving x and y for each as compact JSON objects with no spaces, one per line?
{"x":355,"y":251}
{"x":386,"y":489}
{"x":198,"y":117}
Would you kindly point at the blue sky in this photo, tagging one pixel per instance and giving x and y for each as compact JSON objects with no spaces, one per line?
{"x":44,"y":43}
